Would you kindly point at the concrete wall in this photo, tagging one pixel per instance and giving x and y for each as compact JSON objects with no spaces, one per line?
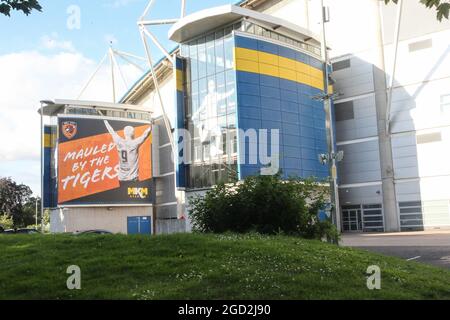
{"x":113,"y":219}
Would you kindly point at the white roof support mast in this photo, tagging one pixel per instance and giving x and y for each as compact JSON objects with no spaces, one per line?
{"x":112,"y":54}
{"x":143,"y":29}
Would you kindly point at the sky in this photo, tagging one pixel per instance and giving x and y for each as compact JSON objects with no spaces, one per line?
{"x":51,"y":55}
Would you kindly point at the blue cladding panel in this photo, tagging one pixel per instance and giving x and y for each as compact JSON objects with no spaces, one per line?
{"x":180,"y":117}
{"x":133,"y":225}
{"x":272,"y":103}
{"x":139,"y":225}
{"x":50,"y":198}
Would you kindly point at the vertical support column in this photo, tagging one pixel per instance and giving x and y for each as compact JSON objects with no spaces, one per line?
{"x":42,"y":167}
{"x":334,"y":190}
{"x":384,"y":138}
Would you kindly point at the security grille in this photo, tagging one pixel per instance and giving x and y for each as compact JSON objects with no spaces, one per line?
{"x":367,"y":218}
{"x":373,"y":219}
{"x":411,"y":216}
{"x":344,"y":64}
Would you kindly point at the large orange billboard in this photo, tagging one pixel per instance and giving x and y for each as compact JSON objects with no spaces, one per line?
{"x":104,"y":161}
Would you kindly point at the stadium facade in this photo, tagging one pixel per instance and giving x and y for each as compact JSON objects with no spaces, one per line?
{"x":257,"y":66}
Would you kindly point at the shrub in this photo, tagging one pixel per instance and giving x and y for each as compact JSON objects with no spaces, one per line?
{"x":264,"y":204}
{"x":6,"y":222}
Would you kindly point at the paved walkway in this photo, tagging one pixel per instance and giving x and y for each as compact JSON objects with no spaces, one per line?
{"x":431,"y":247}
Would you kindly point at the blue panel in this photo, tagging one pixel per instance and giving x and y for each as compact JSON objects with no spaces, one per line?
{"x":291,"y":128}
{"x":307,"y":132}
{"x":270,"y":115}
{"x":267,"y":47}
{"x":269,"y":124}
{"x":309,"y":165}
{"x":306,"y":111}
{"x":319,"y":123}
{"x":270,"y":103}
{"x":288,"y":85}
{"x":249,"y":113}
{"x":288,"y":95}
{"x":247,"y":77}
{"x":292,"y":173}
{"x":287,"y":53}
{"x":290,"y":117}
{"x":270,"y":81}
{"x":145,"y":225}
{"x":133,"y":225}
{"x":244,"y":42}
{"x":289,"y":140}
{"x":290,"y":106}
{"x":315,"y":63}
{"x":309,"y":153}
{"x":270,"y":92}
{"x":307,"y":142}
{"x":249,"y":88}
{"x":292,"y":163}
{"x":248,"y":101}
{"x":245,"y":124}
{"x":299,"y":56}
{"x":291,"y":151}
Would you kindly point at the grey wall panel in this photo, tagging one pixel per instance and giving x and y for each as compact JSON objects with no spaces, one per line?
{"x":356,"y":80}
{"x":361,"y":163}
{"x":408,"y":191}
{"x":165,"y":189}
{"x":363,"y":125}
{"x":167,"y":226}
{"x":166,"y":164}
{"x":360,"y":195}
{"x":404,"y":152}
{"x":166,"y":212}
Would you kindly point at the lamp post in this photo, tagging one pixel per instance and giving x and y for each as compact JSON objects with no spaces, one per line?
{"x":333,"y":156}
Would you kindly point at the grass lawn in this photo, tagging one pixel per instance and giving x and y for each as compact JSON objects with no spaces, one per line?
{"x":193,"y":266}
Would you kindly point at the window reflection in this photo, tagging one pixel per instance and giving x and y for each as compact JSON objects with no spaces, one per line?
{"x":212,"y":99}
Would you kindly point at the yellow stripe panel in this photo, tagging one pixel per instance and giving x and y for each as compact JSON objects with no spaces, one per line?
{"x":48,"y":141}
{"x":276,"y":66}
{"x":179,"y":80}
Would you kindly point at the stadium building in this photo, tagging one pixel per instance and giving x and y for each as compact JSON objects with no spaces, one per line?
{"x":258,"y":67}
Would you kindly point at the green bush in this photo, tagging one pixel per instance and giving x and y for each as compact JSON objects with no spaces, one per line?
{"x":6,"y":222}
{"x":264,"y":204}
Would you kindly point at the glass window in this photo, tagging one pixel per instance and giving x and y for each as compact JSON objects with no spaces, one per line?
{"x":221,"y":94}
{"x":249,"y":27}
{"x":258,"y":30}
{"x":229,"y":52}
{"x":194,"y":60}
{"x":210,"y":55}
{"x":213,"y":102}
{"x":201,"y":58}
{"x":230,"y":91}
{"x":220,"y":52}
{"x":195,"y":97}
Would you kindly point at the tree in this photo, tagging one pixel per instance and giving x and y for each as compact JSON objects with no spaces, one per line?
{"x":26,"y":6}
{"x":14,"y":199}
{"x":442,"y":7}
{"x":265,"y":204}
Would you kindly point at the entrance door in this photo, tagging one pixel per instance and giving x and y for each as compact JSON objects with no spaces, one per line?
{"x":351,"y":218}
{"x":139,"y":225}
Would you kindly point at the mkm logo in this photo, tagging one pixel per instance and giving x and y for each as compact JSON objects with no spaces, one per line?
{"x":138,"y":193}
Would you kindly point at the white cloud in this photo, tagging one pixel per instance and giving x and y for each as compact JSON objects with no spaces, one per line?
{"x":52,"y":42}
{"x":121,"y":3}
{"x":31,"y":76}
